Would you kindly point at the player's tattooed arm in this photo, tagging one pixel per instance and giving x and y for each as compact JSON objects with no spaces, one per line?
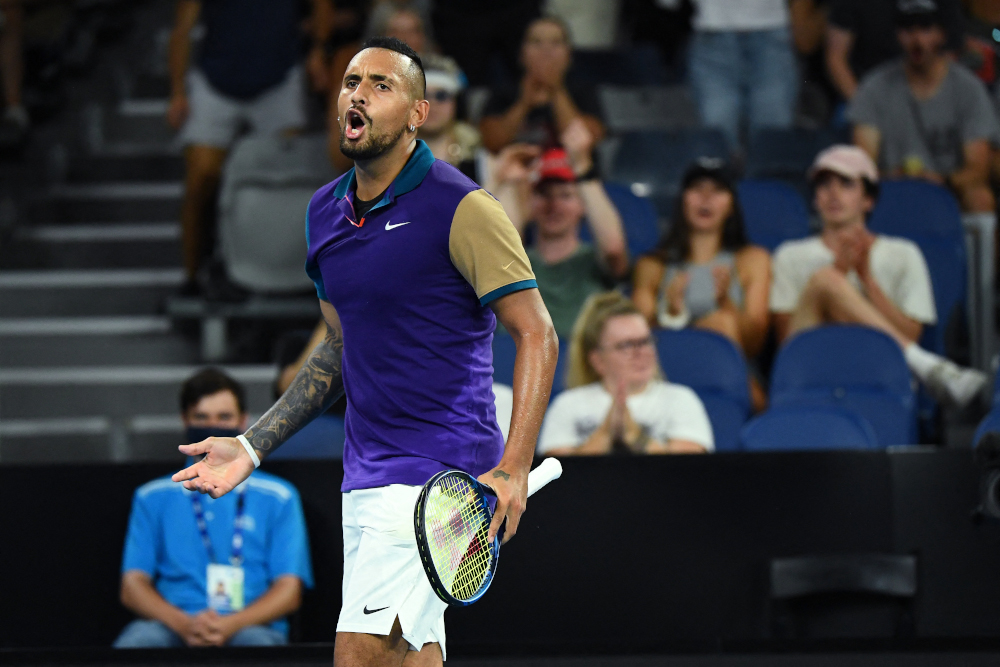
{"x":315,"y":388}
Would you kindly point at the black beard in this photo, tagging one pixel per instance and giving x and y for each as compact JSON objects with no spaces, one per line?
{"x":377,"y":145}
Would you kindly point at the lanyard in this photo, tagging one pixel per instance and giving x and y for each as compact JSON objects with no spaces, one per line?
{"x":199,"y":517}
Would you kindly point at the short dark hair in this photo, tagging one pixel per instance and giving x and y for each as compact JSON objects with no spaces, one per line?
{"x":401,"y":47}
{"x":207,"y":382}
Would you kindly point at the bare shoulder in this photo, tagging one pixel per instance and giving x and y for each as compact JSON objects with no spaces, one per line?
{"x":753,"y":257}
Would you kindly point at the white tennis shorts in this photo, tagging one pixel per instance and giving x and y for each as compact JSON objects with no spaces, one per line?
{"x":383,"y":577}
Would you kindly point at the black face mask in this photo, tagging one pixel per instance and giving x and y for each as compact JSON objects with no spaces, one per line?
{"x":198,"y":433}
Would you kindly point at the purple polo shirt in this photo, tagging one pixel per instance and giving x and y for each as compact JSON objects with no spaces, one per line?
{"x":411,"y":282}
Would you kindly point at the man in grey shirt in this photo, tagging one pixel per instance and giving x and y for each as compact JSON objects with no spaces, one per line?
{"x":923,"y":116}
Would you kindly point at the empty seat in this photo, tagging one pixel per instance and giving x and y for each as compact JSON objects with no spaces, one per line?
{"x":266,"y":187}
{"x":642,"y":226}
{"x":786,"y":154}
{"x":652,"y":164}
{"x":638,"y":108}
{"x":928,"y":215}
{"x":715,"y":369}
{"x":504,"y":353}
{"x":852,"y":367}
{"x":808,"y":427}
{"x":773,"y":212}
{"x":637,"y":65}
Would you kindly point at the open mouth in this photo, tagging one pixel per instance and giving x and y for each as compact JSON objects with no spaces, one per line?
{"x":355,"y":124}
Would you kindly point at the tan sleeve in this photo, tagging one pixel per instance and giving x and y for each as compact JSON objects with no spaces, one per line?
{"x":487,"y":250}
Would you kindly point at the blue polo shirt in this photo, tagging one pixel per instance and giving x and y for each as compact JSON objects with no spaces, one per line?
{"x":163,"y":539}
{"x":412,"y":282}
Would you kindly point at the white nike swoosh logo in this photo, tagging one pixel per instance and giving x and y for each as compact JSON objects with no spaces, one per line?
{"x":389,"y":226}
{"x":508,"y":265}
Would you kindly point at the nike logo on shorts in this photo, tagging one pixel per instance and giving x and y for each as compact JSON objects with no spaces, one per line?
{"x":389,"y":226}
{"x":366,"y":609}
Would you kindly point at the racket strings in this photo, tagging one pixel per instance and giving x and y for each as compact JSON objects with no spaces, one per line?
{"x":457,"y":525}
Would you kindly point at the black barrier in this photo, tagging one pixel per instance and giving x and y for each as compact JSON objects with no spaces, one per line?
{"x":620,"y":555}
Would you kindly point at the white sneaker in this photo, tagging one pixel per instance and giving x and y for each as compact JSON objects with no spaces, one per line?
{"x":954,"y":384}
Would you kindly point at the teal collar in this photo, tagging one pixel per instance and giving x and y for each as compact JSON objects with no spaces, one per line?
{"x":409,"y":178}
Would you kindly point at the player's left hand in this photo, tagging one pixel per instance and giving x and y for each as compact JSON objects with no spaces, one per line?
{"x":511,"y":487}
{"x":225,"y":465}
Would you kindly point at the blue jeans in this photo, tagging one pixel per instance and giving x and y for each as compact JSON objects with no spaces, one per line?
{"x":153,"y":634}
{"x":746,"y":77}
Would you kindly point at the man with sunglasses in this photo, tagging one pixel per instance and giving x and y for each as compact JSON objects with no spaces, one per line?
{"x":449,"y":139}
{"x":924,"y":116}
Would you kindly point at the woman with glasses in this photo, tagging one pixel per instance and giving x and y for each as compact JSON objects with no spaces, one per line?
{"x":616,"y":399}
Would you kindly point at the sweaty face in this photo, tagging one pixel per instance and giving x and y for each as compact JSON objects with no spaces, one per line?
{"x":840,"y":200}
{"x":374,"y":104}
{"x":218,"y":410}
{"x":707,"y":205}
{"x":557,"y":209}
{"x":921,"y":44}
{"x":626,"y":353}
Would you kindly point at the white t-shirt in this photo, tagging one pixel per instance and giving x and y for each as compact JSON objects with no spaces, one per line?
{"x":897,"y":265}
{"x":734,"y":15}
{"x":669,"y":411}
{"x":504,"y":402}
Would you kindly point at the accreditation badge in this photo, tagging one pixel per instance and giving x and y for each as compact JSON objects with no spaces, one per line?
{"x":225,"y":588}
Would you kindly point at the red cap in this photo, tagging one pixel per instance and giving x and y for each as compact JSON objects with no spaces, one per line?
{"x":554,"y":166}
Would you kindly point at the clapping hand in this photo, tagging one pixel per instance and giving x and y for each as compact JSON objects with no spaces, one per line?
{"x":675,"y":292}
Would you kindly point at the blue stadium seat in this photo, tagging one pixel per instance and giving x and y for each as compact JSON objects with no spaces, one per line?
{"x":928,"y":215}
{"x":853,"y":367}
{"x":651,"y":164}
{"x":642,"y":227}
{"x":991,"y":422}
{"x":786,"y":154}
{"x":773,"y":212}
{"x":808,"y":427}
{"x":504,"y":352}
{"x":322,"y":438}
{"x":715,"y":369}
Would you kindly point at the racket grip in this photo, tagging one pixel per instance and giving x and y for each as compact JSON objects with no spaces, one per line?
{"x":547,"y":470}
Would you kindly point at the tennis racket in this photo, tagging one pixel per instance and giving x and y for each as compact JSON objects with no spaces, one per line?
{"x":452,"y":519}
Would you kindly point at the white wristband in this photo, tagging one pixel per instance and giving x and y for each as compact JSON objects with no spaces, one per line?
{"x":678,"y":321}
{"x":250,"y":451}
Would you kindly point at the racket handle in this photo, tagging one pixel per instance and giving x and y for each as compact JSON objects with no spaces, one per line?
{"x":547,"y":470}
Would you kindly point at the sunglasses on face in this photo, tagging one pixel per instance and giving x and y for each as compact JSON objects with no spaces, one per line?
{"x":632,"y":345}
{"x":440,"y":96}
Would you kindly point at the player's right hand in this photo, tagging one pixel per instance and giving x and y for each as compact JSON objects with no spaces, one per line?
{"x":225,"y":465}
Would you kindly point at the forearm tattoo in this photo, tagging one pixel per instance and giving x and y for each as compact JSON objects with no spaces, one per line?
{"x":315,"y":388}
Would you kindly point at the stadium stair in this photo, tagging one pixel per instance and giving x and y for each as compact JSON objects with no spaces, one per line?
{"x":90,"y":365}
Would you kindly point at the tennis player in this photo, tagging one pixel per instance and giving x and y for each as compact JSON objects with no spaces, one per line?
{"x":413,"y":264}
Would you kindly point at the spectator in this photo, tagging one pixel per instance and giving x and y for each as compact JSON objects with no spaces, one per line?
{"x":818,"y":97}
{"x":923,"y":116}
{"x":449,"y":139}
{"x":15,"y":120}
{"x":861,"y":36}
{"x":848,"y":275}
{"x":743,"y":68}
{"x":544,"y":106}
{"x":982,"y":18}
{"x":705,"y":273}
{"x":567,"y":269}
{"x":593,"y":24}
{"x":247,"y":72}
{"x":182,"y":549}
{"x":616,"y":401}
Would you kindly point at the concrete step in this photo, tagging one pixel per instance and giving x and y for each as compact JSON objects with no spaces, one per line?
{"x":92,"y":341}
{"x":114,"y":392}
{"x":122,"y":201}
{"x":92,"y":439}
{"x":113,"y":166}
{"x":96,"y":246}
{"x":86,"y":292}
{"x":143,"y":123}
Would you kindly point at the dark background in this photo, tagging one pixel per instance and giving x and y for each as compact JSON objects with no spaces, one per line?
{"x":625,"y":555}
